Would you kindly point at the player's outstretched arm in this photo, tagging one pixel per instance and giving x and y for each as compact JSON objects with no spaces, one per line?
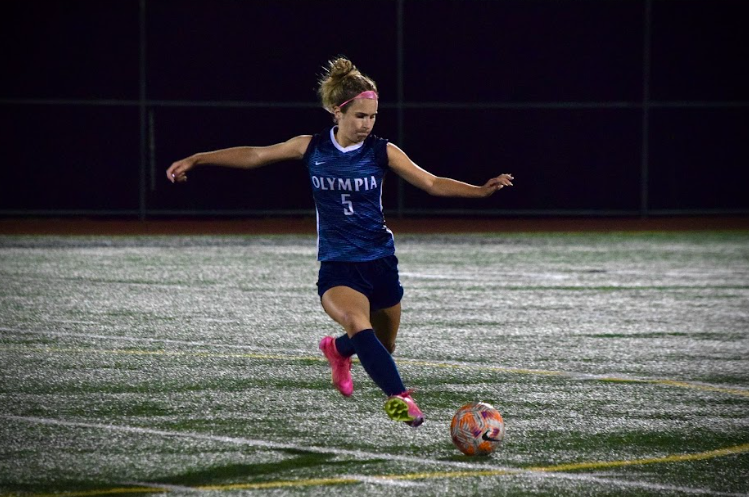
{"x":240,"y":157}
{"x":439,"y":186}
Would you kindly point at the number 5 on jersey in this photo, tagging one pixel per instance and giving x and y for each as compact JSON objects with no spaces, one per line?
{"x":348,"y":206}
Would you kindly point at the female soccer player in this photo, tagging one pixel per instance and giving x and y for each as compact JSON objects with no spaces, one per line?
{"x":358,"y":279}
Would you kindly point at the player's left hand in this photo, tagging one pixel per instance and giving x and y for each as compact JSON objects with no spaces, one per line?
{"x":498,"y":183}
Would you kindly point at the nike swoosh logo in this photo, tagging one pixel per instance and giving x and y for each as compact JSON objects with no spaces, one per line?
{"x":486,"y":437}
{"x":321,"y":162}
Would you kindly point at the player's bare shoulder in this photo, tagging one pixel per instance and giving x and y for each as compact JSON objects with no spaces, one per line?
{"x":291,"y":149}
{"x":298,"y":145}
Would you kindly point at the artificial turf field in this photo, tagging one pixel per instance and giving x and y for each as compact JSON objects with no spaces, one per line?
{"x":173,"y":364}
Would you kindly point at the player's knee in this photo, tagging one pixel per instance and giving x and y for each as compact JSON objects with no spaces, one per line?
{"x":353,"y":322}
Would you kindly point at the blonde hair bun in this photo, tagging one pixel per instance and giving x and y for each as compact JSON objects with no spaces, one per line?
{"x":340,"y":82}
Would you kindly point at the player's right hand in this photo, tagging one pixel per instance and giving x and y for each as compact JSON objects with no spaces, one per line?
{"x":177,"y":172}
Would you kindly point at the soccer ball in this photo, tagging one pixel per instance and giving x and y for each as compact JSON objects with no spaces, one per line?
{"x":477,"y":429}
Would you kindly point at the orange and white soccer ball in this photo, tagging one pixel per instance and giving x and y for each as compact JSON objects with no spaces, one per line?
{"x":477,"y":429}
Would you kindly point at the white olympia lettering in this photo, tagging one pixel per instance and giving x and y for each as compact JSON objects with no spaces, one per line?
{"x":344,"y":184}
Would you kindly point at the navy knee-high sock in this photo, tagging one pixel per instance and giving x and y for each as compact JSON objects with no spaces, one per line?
{"x":344,"y":346}
{"x":377,"y":362}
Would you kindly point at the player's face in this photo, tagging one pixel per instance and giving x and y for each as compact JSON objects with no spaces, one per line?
{"x":357,"y":122}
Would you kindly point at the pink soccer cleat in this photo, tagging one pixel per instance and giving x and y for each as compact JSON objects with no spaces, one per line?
{"x":402,"y":407}
{"x":340,"y":365}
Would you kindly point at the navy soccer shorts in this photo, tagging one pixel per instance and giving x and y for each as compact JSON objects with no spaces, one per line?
{"x":377,"y":280}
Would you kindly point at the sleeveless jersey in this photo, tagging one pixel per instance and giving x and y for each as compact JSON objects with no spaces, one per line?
{"x":347,"y":189}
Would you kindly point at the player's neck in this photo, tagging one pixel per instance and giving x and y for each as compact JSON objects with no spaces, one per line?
{"x":341,"y":139}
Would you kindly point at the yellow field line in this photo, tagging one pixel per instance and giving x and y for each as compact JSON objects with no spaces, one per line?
{"x":90,"y":493}
{"x":737,"y":449}
{"x":314,"y":482}
{"x":711,"y":454}
{"x":413,"y":476}
{"x":700,"y":456}
{"x":697,"y":386}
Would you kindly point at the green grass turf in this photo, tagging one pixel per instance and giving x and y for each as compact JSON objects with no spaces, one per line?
{"x":137,"y":365}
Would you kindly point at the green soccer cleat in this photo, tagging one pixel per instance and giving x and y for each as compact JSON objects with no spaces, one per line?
{"x":402,"y":407}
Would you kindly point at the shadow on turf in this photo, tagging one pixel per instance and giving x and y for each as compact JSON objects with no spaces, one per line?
{"x":249,"y":472}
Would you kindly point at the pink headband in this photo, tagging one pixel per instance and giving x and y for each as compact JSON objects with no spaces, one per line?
{"x":369,"y":95}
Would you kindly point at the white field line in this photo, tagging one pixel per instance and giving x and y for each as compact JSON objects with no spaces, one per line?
{"x":385,"y":481}
{"x":72,"y":321}
{"x":167,"y":341}
{"x":356,"y":454}
{"x":730,"y":389}
{"x":437,"y":276}
{"x":393,"y":480}
{"x":646,"y":485}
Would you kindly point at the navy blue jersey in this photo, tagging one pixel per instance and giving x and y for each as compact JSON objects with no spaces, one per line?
{"x":347,"y":189}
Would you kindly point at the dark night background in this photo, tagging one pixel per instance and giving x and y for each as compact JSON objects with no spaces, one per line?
{"x":598,"y":107}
